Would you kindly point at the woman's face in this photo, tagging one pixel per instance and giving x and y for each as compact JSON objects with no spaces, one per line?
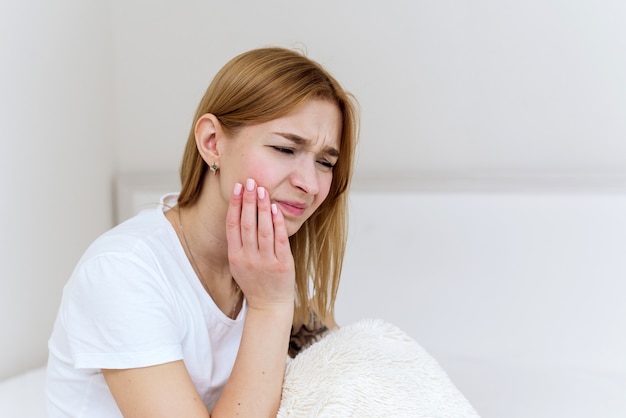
{"x":292,"y":157}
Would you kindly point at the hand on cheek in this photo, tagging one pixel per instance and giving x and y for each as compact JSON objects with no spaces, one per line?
{"x":258,"y":248}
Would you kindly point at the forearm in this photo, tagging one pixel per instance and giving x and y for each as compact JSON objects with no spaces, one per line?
{"x":255,"y":384}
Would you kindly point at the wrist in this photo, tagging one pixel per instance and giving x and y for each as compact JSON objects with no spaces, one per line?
{"x":274,"y":311}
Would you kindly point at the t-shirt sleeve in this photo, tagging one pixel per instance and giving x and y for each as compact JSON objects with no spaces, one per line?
{"x":119,"y":312}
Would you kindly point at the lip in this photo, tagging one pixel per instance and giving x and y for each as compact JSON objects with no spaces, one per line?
{"x":295,"y":209}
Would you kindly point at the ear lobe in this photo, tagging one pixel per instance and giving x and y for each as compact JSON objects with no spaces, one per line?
{"x":207,"y":131}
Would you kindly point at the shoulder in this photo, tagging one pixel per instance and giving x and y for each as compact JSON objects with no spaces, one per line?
{"x":137,"y":254}
{"x":139,"y":237}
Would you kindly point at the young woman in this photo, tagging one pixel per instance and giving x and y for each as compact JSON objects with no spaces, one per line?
{"x":188,"y":310}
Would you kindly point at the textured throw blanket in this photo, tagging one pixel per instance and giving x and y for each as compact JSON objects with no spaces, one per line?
{"x":369,"y":369}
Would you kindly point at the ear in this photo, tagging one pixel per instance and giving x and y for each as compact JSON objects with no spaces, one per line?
{"x":208,"y":132}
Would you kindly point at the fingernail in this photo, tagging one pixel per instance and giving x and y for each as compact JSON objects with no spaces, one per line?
{"x":249,"y":185}
{"x":274,"y":209}
{"x":237,"y":190}
{"x":261,"y":192}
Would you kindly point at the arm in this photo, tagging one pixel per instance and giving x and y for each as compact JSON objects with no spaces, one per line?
{"x":262,"y":264}
{"x":255,"y":384}
{"x":159,"y":391}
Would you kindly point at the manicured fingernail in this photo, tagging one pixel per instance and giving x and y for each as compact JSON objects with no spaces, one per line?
{"x":274,"y":209}
{"x":261,"y":192}
{"x":237,"y":190}
{"x":249,"y":185}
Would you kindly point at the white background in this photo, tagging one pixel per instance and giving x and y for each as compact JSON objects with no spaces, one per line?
{"x":491,"y":92}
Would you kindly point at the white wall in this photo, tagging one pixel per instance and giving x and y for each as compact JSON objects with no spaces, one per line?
{"x":494,"y":92}
{"x":56,"y":162}
{"x":484,"y":89}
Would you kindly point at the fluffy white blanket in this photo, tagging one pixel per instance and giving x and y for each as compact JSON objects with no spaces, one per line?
{"x":369,"y":369}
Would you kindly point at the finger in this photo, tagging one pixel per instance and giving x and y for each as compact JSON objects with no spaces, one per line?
{"x":233,"y":219}
{"x":281,"y":238}
{"x":264,"y":223}
{"x":249,"y":216}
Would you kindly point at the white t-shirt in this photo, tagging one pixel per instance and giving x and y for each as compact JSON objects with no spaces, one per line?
{"x":134,"y":301}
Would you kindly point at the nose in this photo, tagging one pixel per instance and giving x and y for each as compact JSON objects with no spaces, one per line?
{"x":304,"y":177}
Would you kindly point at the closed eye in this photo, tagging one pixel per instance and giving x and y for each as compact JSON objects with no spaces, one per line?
{"x":283,"y":150}
{"x":326,"y":164}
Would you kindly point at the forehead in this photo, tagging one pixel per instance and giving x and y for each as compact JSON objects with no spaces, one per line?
{"x":316,"y":121}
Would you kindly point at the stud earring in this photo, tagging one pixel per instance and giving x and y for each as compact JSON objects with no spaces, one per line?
{"x":213,"y":168}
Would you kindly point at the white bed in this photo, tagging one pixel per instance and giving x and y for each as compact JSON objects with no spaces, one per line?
{"x":519,"y":296}
{"x":495,"y":390}
{"x":23,"y":396}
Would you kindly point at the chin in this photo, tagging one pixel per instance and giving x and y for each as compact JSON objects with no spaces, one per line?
{"x":292,"y":228}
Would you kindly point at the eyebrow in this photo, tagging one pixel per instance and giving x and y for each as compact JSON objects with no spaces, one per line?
{"x":298,"y":140}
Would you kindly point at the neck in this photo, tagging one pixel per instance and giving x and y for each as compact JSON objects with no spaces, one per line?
{"x":204,"y":226}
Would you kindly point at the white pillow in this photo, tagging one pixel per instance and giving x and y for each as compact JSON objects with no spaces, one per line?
{"x":369,"y":369}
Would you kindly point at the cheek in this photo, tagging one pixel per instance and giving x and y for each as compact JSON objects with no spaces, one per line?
{"x":251,"y":165}
{"x":259,"y":171}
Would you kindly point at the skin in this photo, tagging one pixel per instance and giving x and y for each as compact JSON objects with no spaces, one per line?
{"x":272,"y":177}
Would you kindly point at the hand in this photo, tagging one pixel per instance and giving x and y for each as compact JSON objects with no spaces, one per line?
{"x":260,"y":257}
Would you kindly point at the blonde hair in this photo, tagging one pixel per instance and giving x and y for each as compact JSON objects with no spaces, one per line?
{"x":262,"y":85}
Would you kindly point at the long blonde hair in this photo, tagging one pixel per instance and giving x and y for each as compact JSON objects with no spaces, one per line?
{"x":262,"y":85}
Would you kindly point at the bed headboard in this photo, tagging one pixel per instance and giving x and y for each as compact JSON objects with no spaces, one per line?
{"x":137,"y":191}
